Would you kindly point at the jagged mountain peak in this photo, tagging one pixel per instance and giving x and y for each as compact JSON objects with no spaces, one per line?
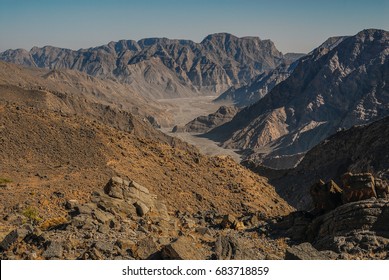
{"x":328,"y":90}
{"x":182,"y":67}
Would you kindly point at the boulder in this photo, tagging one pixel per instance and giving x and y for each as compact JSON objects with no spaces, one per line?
{"x":15,"y":236}
{"x":356,"y":228}
{"x":227,"y":248}
{"x":305,"y":251}
{"x":141,"y":208}
{"x":358,"y":187}
{"x":229,"y":221}
{"x":54,"y":250}
{"x":71,"y":204}
{"x":114,"y":187}
{"x":184,"y":248}
{"x":381,"y":188}
{"x":129,"y":191}
{"x":105,"y":247}
{"x":103,"y":217}
{"x":326,"y":196}
{"x":146,"y":248}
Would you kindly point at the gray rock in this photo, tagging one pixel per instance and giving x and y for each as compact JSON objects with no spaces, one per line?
{"x":184,"y":248}
{"x":54,"y":250}
{"x":147,"y":248}
{"x":86,"y":208}
{"x":141,"y":208}
{"x":227,"y":248}
{"x":104,"y":246}
{"x":15,"y":236}
{"x":71,"y":204}
{"x":114,"y":187}
{"x":9,"y":239}
{"x":103,"y":229}
{"x":304,"y":251}
{"x":103,"y":217}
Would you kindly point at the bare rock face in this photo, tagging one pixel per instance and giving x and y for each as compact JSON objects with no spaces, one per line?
{"x":354,"y":228}
{"x":358,"y":187}
{"x":331,"y":88}
{"x":184,"y":248}
{"x":305,"y":251}
{"x":381,"y":188}
{"x":134,"y":194}
{"x":161,"y":67}
{"x":357,"y":150}
{"x":260,"y":86}
{"x":204,"y":124}
{"x":326,"y":196}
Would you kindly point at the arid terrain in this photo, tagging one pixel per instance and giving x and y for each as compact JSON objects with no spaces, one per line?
{"x":171,"y":149}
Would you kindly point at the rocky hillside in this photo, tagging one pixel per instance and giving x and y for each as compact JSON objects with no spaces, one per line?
{"x":359,"y":149}
{"x":330,"y":89}
{"x":258,"y":87}
{"x":204,"y":124}
{"x":72,"y":92}
{"x":348,"y":221}
{"x":59,"y":148}
{"x":163,"y":68}
{"x":124,"y":220}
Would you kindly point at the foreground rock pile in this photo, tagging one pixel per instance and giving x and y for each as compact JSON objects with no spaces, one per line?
{"x":126,"y":221}
{"x":348,"y":222}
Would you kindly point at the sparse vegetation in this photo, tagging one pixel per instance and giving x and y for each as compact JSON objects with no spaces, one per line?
{"x":5,"y":180}
{"x":32,"y":215}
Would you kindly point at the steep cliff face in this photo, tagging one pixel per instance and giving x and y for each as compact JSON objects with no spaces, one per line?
{"x":173,"y":68}
{"x":334,"y":87}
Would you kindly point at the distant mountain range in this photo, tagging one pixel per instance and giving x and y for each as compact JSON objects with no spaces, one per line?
{"x":342,"y":83}
{"x":164,"y":68}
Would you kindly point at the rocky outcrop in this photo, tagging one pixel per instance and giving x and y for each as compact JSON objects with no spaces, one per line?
{"x":204,"y":124}
{"x":355,"y":187}
{"x":305,"y":251}
{"x":358,"y":187}
{"x":358,"y":228}
{"x":127,"y":221}
{"x":332,"y":88}
{"x":259,"y":86}
{"x":161,"y":67}
{"x":357,"y":150}
{"x":326,"y":196}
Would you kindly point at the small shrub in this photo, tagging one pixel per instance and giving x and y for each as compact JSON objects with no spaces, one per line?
{"x":32,"y":215}
{"x":5,"y":180}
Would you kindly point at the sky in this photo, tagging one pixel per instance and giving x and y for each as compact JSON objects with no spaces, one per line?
{"x":293,"y":25}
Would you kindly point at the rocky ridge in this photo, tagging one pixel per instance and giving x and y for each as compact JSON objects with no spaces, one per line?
{"x":358,"y":149}
{"x":161,"y":67}
{"x":258,"y":87}
{"x":204,"y":124}
{"x":332,"y":88}
{"x":126,"y":221}
{"x":75,"y":93}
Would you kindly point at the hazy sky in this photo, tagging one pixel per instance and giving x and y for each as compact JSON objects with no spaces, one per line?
{"x":294,"y":25}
